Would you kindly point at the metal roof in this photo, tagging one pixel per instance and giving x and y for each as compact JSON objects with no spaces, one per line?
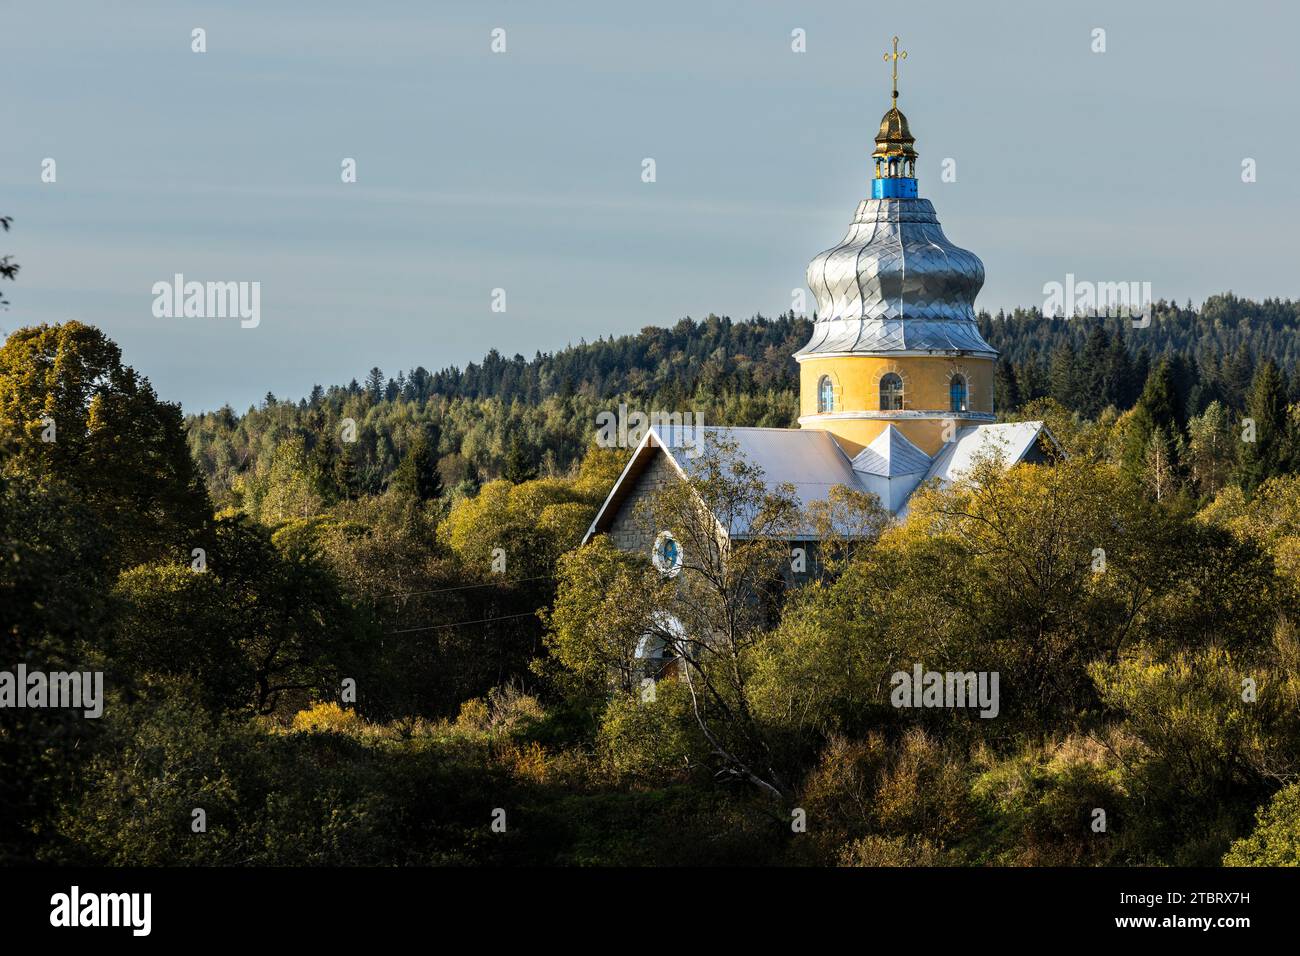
{"x":890,"y":454}
{"x":1012,"y":442}
{"x":891,"y":467}
{"x":895,"y":284}
{"x":812,"y":462}
{"x":808,"y":459}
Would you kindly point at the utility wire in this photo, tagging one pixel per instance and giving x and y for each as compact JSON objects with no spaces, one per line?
{"x":466,"y":587}
{"x":436,"y":627}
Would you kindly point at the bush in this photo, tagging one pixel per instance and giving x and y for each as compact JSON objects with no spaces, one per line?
{"x":1276,"y":838}
{"x":892,"y":851}
{"x":651,"y":740}
{"x":506,"y":710}
{"x":327,"y":717}
{"x":869,"y":799}
{"x":1038,"y":806}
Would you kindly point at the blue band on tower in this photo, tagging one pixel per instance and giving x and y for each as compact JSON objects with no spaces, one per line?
{"x":897,"y":188}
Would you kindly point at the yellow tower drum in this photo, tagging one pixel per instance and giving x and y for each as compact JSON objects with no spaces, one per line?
{"x":895,"y":340}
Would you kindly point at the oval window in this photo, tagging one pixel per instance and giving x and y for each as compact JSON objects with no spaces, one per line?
{"x":667,"y":555}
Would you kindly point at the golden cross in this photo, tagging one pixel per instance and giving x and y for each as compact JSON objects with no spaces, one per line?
{"x":896,"y":56}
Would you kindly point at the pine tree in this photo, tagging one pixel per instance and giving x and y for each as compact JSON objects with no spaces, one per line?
{"x":1266,"y":416}
{"x":417,"y":474}
{"x":347,"y":471}
{"x":1141,"y":370}
{"x":1237,"y":377}
{"x":1122,"y":384}
{"x":1006,"y":388}
{"x":1064,"y":376}
{"x":1183,"y":375}
{"x":1033,"y":381}
{"x":519,"y":464}
{"x":1094,"y":381}
{"x":1153,"y":413}
{"x":1210,"y":449}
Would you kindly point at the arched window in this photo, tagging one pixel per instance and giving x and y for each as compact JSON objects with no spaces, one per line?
{"x":825,"y":395}
{"x":891,"y":392}
{"x":957,"y":393}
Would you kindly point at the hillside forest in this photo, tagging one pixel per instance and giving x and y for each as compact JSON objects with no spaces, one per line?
{"x":358,"y":627}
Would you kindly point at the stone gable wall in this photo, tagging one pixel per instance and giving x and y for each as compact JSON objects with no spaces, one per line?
{"x":627,"y":533}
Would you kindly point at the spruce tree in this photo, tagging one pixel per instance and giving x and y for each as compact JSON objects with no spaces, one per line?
{"x":519,"y":464}
{"x":1121,"y":387}
{"x":1154,"y":413}
{"x":1064,"y":376}
{"x":417,"y":473}
{"x":1267,"y":423}
{"x":1094,"y":379}
{"x":1006,"y":389}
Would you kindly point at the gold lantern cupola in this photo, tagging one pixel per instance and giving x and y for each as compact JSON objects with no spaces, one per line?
{"x":895,"y":153}
{"x":894,"y":138}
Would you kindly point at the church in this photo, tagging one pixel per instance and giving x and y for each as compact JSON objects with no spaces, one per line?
{"x":896,"y":382}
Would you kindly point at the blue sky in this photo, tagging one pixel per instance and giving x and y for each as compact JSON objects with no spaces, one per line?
{"x":522,"y":170}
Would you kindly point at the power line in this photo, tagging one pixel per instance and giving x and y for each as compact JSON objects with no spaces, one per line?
{"x":466,"y":587}
{"x":436,"y":627}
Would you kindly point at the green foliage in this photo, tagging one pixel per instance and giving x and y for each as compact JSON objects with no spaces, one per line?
{"x":520,"y":687}
{"x":1269,"y":520}
{"x":1202,"y":755}
{"x":113,"y":444}
{"x":602,"y":605}
{"x":355,"y":795}
{"x":1275,"y":841}
{"x":1273,"y":448}
{"x":54,"y":580}
{"x":418,"y":473}
{"x":1037,"y":807}
{"x":650,"y":735}
{"x":265,"y":621}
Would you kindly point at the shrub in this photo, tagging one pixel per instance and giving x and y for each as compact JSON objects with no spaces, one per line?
{"x":506,"y":710}
{"x":1038,"y":806}
{"x":892,"y":851}
{"x":327,"y":717}
{"x":650,"y":740}
{"x":1275,"y":840}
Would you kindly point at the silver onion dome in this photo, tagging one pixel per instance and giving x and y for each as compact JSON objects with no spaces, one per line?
{"x":895,"y":284}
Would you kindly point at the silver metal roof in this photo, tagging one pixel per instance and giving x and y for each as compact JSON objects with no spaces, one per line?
{"x":895,"y":284}
{"x":809,"y":460}
{"x":1011,"y":442}
{"x":891,"y":454}
{"x":813,"y":463}
{"x":891,"y":467}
